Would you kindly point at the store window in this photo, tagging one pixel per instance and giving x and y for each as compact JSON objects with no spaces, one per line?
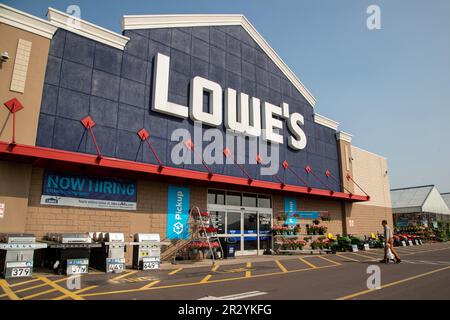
{"x":249,"y":200}
{"x":264,"y":202}
{"x":233,"y":198}
{"x":238,"y":199}
{"x":216,"y":197}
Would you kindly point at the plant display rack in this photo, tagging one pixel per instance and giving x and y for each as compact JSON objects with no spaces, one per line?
{"x":200,"y":226}
{"x":278,"y":240}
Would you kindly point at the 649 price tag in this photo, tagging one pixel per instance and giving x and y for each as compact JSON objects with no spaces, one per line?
{"x":150,"y":265}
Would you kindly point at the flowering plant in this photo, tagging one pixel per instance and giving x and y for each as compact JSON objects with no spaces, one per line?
{"x":314,"y":229}
{"x":277,"y":230}
{"x":322,"y":229}
{"x":209,"y":230}
{"x":293,"y":244}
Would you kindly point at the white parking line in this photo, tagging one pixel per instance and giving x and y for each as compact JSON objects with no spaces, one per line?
{"x":427,"y":262}
{"x":236,"y":296}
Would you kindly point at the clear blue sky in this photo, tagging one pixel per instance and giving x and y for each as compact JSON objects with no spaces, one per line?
{"x":390,"y":88}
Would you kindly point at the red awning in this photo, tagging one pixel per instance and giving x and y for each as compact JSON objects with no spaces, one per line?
{"x":27,"y":153}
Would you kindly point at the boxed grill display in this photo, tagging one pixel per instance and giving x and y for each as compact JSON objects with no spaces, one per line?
{"x":147,"y":252}
{"x":110,"y":257}
{"x":69,"y":252}
{"x":16,"y":254}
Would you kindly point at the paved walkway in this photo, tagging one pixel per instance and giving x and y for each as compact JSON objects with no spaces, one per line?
{"x":326,"y":276}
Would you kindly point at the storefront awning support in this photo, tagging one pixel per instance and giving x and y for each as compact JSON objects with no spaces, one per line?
{"x":228,"y":154}
{"x":285,"y":165}
{"x":13,"y":106}
{"x":145,"y":136}
{"x":309,"y":170}
{"x":330,"y":175}
{"x":259,"y":161}
{"x":190,"y":145}
{"x":349,"y":177}
{"x":88,"y":123}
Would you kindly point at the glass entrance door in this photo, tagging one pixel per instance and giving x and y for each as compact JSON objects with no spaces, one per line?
{"x":264,"y":232}
{"x":249,"y":233}
{"x":242,"y":230}
{"x":234,"y":229}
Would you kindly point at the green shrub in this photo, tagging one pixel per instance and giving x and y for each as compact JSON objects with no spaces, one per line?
{"x":344,"y":242}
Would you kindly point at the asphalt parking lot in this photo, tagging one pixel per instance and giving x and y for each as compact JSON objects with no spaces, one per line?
{"x":423,"y":274}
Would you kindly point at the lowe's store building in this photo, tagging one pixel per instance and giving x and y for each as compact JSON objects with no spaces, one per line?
{"x":111,"y":132}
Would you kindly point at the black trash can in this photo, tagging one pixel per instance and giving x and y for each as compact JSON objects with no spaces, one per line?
{"x":229,"y":248}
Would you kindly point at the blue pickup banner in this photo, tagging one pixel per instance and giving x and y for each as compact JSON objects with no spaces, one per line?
{"x":290,"y":207}
{"x":63,"y":189}
{"x":178,"y":201}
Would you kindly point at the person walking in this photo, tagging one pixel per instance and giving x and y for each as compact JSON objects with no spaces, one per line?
{"x":389,"y":243}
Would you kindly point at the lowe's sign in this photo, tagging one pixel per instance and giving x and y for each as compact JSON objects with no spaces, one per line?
{"x":178,"y":201}
{"x":89,"y":192}
{"x":239,"y":112}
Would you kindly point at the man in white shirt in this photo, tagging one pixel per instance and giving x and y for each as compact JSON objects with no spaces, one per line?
{"x":389,"y":243}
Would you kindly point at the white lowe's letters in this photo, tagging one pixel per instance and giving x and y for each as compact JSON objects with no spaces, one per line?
{"x":245,"y":117}
{"x":198,"y":86}
{"x":298,"y":139}
{"x":270,"y":123}
{"x":161,"y":89}
{"x":242,"y":114}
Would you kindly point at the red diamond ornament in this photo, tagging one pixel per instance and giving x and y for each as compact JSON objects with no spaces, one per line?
{"x":13,"y":105}
{"x":143,"y":134}
{"x":88,"y":122}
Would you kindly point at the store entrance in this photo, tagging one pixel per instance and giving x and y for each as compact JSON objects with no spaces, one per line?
{"x":249,"y":231}
{"x":247,"y":228}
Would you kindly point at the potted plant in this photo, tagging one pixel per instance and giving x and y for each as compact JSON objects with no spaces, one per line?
{"x":194,"y":246}
{"x":315,"y":229}
{"x":344,"y":242}
{"x":316,"y":222}
{"x":297,"y":229}
{"x":316,"y":245}
{"x":322,"y":229}
{"x":300,"y":244}
{"x":276,"y":230}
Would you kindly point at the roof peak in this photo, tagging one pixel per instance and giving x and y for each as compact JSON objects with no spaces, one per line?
{"x":133,"y":22}
{"x":414,"y":187}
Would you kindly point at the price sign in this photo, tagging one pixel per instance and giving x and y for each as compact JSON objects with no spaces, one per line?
{"x":150,"y":265}
{"x":18,"y":269}
{"x":77,"y":266}
{"x":20,"y":272}
{"x":115,"y":265}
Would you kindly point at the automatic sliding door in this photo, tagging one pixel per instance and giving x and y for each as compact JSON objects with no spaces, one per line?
{"x":250,"y":232}
{"x":265,"y":237}
{"x":234,"y":229}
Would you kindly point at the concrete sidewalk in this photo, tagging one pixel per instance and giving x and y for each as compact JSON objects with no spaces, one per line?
{"x":240,"y":259}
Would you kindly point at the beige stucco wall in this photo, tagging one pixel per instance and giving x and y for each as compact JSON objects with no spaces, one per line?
{"x":370,"y":171}
{"x":27,"y":118}
{"x":14,"y":192}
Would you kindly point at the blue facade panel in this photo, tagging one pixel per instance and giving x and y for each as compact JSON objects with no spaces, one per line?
{"x":114,"y":87}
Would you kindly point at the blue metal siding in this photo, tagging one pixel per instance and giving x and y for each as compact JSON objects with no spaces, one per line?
{"x":114,"y":87}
